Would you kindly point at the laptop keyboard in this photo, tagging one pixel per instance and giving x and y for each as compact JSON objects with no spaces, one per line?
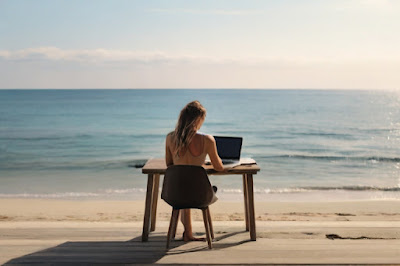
{"x":225,"y":161}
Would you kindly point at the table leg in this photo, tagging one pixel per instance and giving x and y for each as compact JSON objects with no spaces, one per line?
{"x":246,"y":202}
{"x":252,"y":219}
{"x":147,"y":210}
{"x":154,"y":202}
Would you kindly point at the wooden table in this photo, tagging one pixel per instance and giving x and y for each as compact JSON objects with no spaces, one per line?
{"x":156,"y":167}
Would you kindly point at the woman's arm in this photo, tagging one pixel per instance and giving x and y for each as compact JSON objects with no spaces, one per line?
{"x":213,"y":153}
{"x":168,"y":156}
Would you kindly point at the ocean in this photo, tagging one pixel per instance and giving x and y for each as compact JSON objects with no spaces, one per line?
{"x":324,"y":145}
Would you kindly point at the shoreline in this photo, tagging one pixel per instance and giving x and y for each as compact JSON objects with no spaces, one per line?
{"x":224,"y":195}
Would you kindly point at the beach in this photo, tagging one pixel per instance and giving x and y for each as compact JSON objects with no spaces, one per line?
{"x":60,"y":231}
{"x":72,"y":188}
{"x":93,"y":94}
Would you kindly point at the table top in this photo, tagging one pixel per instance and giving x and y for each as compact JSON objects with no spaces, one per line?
{"x":158,"y":166}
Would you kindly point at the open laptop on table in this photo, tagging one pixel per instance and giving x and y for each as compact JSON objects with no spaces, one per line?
{"x":229,"y":149}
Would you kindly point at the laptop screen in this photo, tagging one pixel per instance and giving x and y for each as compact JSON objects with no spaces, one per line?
{"x":229,"y":147}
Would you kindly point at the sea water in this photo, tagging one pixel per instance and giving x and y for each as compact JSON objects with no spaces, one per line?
{"x":309,"y":144}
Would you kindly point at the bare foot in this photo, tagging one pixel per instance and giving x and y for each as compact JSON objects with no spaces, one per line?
{"x":188,"y":238}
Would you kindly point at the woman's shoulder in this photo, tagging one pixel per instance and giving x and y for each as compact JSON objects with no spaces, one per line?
{"x":207,"y":137}
{"x":170,"y":136}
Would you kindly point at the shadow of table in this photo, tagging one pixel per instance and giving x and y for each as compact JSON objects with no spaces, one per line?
{"x":118,"y":252}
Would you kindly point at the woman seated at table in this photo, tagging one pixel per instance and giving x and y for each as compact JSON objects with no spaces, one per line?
{"x":186,"y":146}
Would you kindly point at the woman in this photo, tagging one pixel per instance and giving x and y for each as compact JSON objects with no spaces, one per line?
{"x":186,"y":146}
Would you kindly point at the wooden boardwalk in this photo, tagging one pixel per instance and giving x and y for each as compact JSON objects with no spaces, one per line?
{"x":276,"y":244}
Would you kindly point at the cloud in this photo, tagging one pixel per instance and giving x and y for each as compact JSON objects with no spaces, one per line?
{"x":52,"y":67}
{"x":126,"y":57}
{"x":99,"y":56}
{"x":85,"y":55}
{"x":104,"y":56}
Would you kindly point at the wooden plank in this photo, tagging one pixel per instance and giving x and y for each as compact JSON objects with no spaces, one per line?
{"x":158,"y":166}
{"x":250,"y":195}
{"x":147,"y":210}
{"x":155,"y":166}
{"x":154,"y":202}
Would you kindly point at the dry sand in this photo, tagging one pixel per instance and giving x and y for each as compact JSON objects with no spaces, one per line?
{"x":55,"y":231}
{"x":131,"y":211}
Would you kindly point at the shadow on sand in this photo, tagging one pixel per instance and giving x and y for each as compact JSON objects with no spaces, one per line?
{"x":119,"y":252}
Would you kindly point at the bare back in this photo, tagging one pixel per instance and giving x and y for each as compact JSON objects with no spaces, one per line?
{"x":196,"y":153}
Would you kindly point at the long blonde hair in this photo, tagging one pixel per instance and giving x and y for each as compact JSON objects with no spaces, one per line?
{"x":185,"y":128}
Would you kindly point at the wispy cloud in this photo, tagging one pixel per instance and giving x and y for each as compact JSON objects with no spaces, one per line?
{"x":52,"y":67}
{"x":84,"y":55}
{"x":110,"y":56}
{"x":226,"y":12}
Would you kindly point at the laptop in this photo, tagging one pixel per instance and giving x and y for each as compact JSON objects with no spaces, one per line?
{"x":229,"y":149}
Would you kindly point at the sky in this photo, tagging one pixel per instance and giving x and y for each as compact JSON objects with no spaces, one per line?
{"x":316,"y":44}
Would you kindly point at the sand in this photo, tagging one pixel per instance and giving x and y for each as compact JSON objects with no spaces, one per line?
{"x":56,"y":231}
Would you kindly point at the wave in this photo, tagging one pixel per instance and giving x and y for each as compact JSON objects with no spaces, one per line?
{"x":314,"y":189}
{"x":139,"y":192}
{"x":353,"y":188}
{"x":325,"y":134}
{"x":144,"y":136}
{"x":61,"y":195}
{"x":81,"y":136}
{"x":334,"y":158}
{"x":75,"y":165}
{"x":73,"y":195}
{"x":7,"y":163}
{"x":45,"y":138}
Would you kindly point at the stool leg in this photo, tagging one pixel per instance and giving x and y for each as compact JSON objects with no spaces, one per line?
{"x":174,"y":218}
{"x":210,"y":223}
{"x":175,"y":225}
{"x":207,"y":227}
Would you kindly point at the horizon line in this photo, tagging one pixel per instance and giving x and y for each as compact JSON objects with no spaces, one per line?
{"x":216,"y":88}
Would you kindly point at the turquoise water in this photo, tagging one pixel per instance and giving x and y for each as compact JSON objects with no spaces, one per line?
{"x":88,"y":143}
